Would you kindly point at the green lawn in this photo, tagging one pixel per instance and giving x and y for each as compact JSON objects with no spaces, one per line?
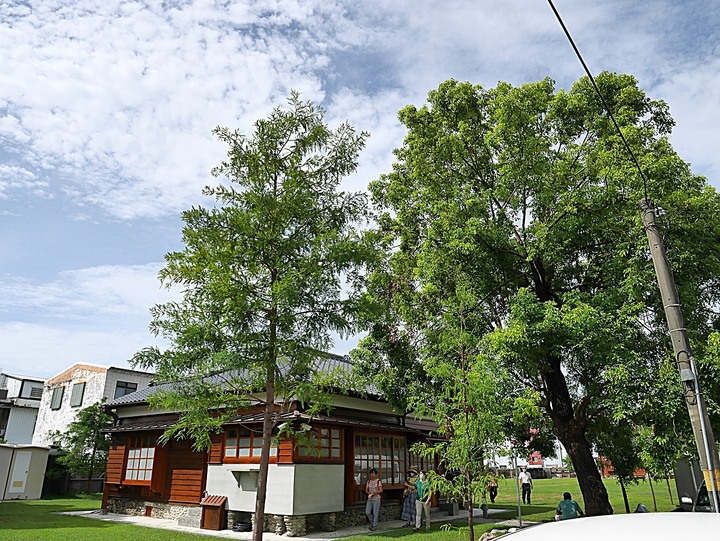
{"x":38,"y":520}
{"x":546,"y":495}
{"x":548,"y":492}
{"x":33,"y":520}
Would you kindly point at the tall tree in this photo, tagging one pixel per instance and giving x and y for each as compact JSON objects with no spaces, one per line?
{"x":86,"y":446}
{"x":530,"y":194}
{"x":263,"y":274}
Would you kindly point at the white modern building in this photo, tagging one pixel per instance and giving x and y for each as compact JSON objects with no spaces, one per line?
{"x":20,"y":398}
{"x":78,"y":387}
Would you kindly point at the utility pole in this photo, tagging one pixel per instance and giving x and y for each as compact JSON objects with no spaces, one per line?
{"x":704,"y":438}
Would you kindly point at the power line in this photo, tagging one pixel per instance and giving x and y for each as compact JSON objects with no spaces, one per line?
{"x":602,"y":98}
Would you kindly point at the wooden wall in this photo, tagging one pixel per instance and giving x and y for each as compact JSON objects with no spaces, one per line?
{"x":185,"y":476}
{"x":178,"y":474}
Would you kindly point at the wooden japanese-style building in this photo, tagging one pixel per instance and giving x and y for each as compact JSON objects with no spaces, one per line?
{"x":316,"y":484}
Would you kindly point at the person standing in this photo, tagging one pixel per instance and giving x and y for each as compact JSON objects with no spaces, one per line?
{"x":568,"y":508}
{"x":373,"y":488}
{"x":526,"y":484}
{"x":409,"y":498}
{"x":492,"y":487}
{"x":422,"y":504}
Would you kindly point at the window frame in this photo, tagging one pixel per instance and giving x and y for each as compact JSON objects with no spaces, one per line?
{"x":254,"y":446}
{"x":134,"y":447}
{"x":334,"y":442}
{"x":125,"y":386}
{"x":57,"y":392}
{"x":366,"y":455}
{"x":77,"y":395}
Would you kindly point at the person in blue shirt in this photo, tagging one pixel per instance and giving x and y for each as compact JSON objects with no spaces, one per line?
{"x":422,"y":504}
{"x":568,"y":508}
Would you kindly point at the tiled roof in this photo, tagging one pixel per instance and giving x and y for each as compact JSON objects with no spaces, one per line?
{"x":252,"y":418}
{"x":325,"y":362}
{"x":146,"y":425}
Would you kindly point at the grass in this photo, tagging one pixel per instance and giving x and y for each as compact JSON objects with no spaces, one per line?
{"x":545,"y":497}
{"x":38,"y":519}
{"x":548,"y":492}
{"x":451,"y":531}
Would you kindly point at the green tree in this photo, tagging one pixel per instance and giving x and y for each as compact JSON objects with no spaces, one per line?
{"x":466,"y":401}
{"x":85,"y":445}
{"x":263,"y":274}
{"x":617,"y":442}
{"x":528,"y":193}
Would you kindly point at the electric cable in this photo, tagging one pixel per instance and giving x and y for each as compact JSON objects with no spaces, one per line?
{"x":602,"y":98}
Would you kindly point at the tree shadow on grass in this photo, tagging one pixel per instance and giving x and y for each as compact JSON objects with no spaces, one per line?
{"x":533,"y":513}
{"x":42,"y":514}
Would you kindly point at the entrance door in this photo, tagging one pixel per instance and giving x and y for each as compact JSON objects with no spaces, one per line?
{"x":20,"y":469}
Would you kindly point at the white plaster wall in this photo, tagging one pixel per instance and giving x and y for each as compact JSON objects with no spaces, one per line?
{"x":21,"y":424}
{"x":293,"y":489}
{"x":319,"y":488}
{"x":13,"y":386}
{"x":223,"y":479}
{"x":362,"y":404}
{"x":58,"y":420}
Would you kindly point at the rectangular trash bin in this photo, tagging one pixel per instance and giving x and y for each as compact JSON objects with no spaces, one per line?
{"x":214,"y":514}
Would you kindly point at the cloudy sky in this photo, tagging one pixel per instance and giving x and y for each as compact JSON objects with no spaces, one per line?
{"x":107,"y":107}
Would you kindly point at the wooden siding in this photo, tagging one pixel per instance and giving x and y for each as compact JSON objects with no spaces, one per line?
{"x":185,"y":476}
{"x":286,"y":451}
{"x":116,"y":462}
{"x":216,"y":451}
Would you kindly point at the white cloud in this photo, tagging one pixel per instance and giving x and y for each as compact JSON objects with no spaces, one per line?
{"x":123,"y":97}
{"x":13,"y":177}
{"x":44,"y":350}
{"x":110,"y":105}
{"x":99,"y":314}
{"x":86,"y":294}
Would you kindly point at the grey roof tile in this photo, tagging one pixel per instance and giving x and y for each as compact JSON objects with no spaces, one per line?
{"x":325,"y":362}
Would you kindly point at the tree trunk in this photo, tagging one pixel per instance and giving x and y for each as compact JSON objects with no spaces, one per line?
{"x":569,"y":426}
{"x":667,"y":480}
{"x":591,"y":485}
{"x":259,"y":523}
{"x":624,"y":493}
{"x":652,"y":490}
{"x":471,"y":519}
{"x":88,"y":487}
{"x":268,"y":418}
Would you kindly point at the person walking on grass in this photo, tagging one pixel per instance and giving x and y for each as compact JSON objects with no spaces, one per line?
{"x":409,"y":498}
{"x":568,"y":508}
{"x":422,"y":504}
{"x":526,"y":483}
{"x":373,"y":488}
{"x":492,"y":487}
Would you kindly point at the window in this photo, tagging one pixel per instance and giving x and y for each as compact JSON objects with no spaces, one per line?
{"x":387,"y":454}
{"x":243,"y":444}
{"x":124,"y":387}
{"x":36,"y":392}
{"x":322,"y":443}
{"x":140,"y":461}
{"x":57,"y":396}
{"x":76,"y":397}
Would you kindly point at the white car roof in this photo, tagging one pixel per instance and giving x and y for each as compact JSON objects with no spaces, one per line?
{"x":636,"y":526}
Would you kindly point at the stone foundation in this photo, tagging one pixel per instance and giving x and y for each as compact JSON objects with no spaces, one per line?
{"x":355,"y":516}
{"x":141,"y":508}
{"x":289,"y":525}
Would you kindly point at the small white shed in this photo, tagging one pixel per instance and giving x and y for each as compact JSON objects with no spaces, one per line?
{"x":22,"y":471}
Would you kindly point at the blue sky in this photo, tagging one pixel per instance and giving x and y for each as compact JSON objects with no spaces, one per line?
{"x":107,"y":107}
